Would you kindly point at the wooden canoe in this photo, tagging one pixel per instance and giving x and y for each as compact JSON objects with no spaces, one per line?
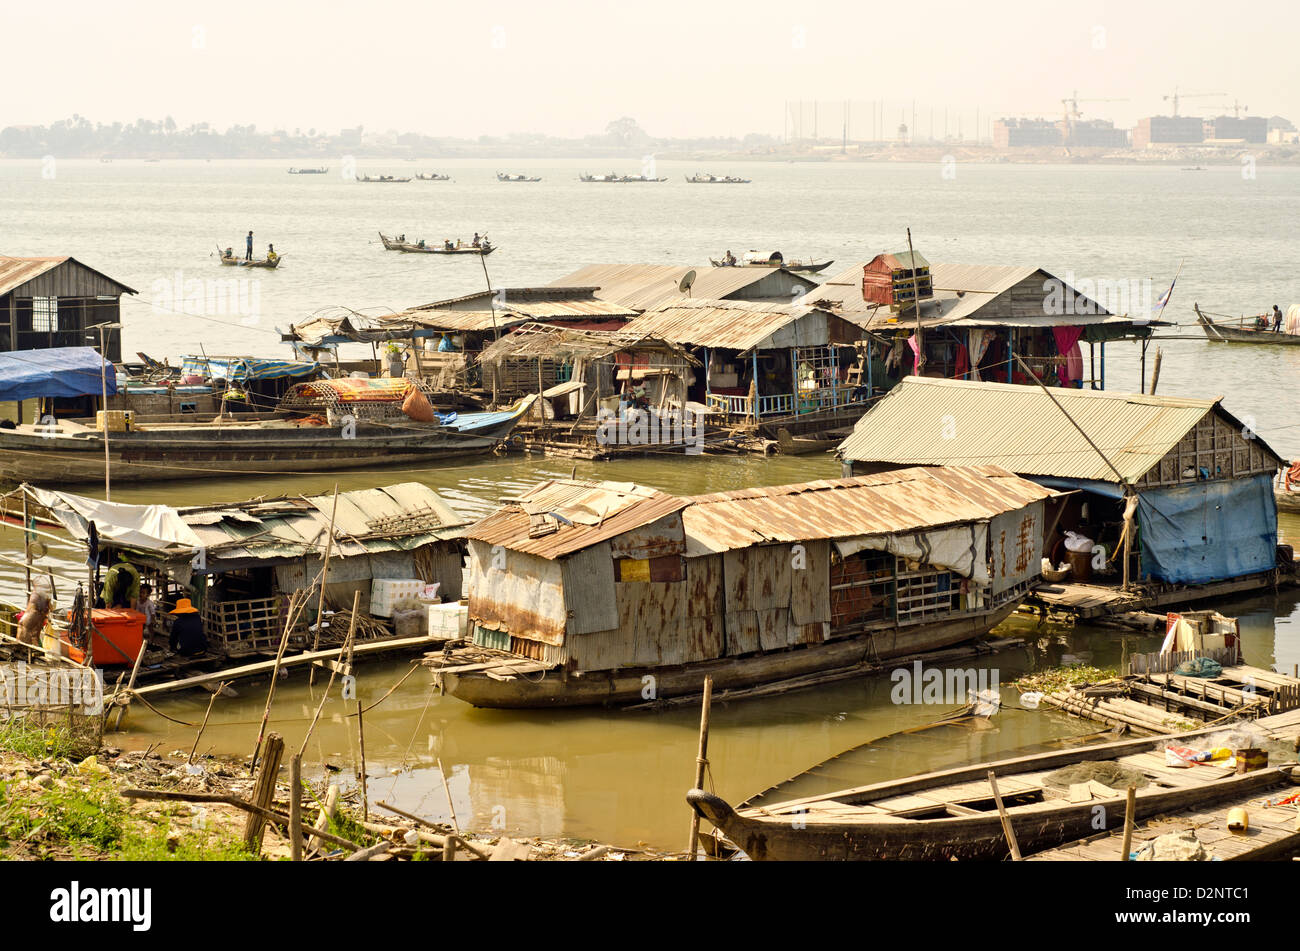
{"x":810,"y":268}
{"x":951,"y":814}
{"x":1220,"y":332}
{"x":392,"y":244}
{"x":503,"y":177}
{"x":240,"y":262}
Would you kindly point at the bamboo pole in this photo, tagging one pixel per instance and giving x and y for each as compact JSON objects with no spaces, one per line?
{"x":267,"y":815}
{"x":1130,"y":810}
{"x":361,"y":737}
{"x":275,"y":678}
{"x":1155,"y":370}
{"x":324,"y":577}
{"x":295,"y":807}
{"x":347,"y":644}
{"x":451,"y":806}
{"x":130,"y":685}
{"x":27,"y":550}
{"x":204,"y":724}
{"x":327,"y":810}
{"x":1007,"y":830}
{"x":701,"y":761}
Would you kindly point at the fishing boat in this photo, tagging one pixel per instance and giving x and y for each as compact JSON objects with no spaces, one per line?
{"x":589,"y":591}
{"x":381,"y":178}
{"x":953,"y":814}
{"x":309,"y":171}
{"x":1257,"y":329}
{"x":396,"y":244}
{"x":432,"y":177}
{"x":231,"y":261}
{"x":774,"y":259}
{"x":72,"y":451}
{"x":619,"y":179}
{"x":506,"y":177}
{"x":710,"y":179}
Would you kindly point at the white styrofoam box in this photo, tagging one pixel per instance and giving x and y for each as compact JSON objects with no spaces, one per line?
{"x":448,"y":620}
{"x":389,"y":594}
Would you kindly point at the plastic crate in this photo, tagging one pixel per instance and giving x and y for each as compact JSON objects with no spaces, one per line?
{"x":448,"y":620}
{"x":391,"y":594}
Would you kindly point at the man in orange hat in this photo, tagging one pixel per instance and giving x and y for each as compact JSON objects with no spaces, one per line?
{"x":187,"y":629}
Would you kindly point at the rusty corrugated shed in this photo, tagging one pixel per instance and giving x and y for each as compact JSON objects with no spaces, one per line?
{"x":579,"y":513}
{"x":924,"y":421}
{"x":643,"y":286}
{"x":739,"y":325}
{"x":79,"y":280}
{"x":902,"y":501}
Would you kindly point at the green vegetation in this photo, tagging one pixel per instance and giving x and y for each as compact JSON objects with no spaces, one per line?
{"x":1059,"y":678}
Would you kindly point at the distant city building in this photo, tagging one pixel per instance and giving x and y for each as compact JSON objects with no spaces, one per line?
{"x":1098,"y":133}
{"x":1245,"y":128}
{"x":1019,"y":133}
{"x":1160,"y":130}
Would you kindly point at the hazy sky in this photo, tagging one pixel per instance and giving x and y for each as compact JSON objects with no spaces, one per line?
{"x":679,"y":68}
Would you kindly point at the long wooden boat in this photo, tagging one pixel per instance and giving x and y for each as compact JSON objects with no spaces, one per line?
{"x":619,"y":179}
{"x":309,"y":171}
{"x":381,"y":178}
{"x":485,"y":688}
{"x":432,"y":177}
{"x":776,"y":260}
{"x":392,"y":244}
{"x":951,"y":814}
{"x":1220,"y":332}
{"x":74,"y":452}
{"x":506,"y":177}
{"x":708,"y":179}
{"x":240,"y":262}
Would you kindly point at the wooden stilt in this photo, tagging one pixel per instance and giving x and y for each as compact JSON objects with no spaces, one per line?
{"x":361,"y":738}
{"x":295,"y":807}
{"x":1130,"y":810}
{"x":701,"y":761}
{"x":264,"y":792}
{"x":1007,"y":830}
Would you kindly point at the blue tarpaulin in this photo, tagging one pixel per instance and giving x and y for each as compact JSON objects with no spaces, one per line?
{"x":244,"y":369}
{"x":1208,"y":531}
{"x":59,"y":371}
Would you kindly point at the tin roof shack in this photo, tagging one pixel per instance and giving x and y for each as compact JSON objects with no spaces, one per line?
{"x":608,"y":380}
{"x":974,"y":317}
{"x":766,"y":364}
{"x":644,"y":287}
{"x":50,"y":302}
{"x":239,"y":563}
{"x":622,"y":593}
{"x":1182,"y":480}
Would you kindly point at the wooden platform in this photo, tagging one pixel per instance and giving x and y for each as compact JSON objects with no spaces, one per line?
{"x":1083,"y":601}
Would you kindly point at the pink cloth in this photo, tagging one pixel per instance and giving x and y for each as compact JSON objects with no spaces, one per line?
{"x":916,"y":355}
{"x":1067,"y":344}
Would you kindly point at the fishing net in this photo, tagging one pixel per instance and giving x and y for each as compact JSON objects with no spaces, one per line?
{"x":1107,"y":773}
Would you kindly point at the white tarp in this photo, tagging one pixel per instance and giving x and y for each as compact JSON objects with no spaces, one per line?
{"x":154,"y":527}
{"x":963,"y":548}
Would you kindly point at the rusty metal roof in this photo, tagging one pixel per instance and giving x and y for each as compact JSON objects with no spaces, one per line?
{"x":905,"y":500}
{"x":548,"y":340}
{"x":643,"y":286}
{"x":731,"y":325}
{"x":15,"y":272}
{"x":574,"y":514}
{"x":924,"y":421}
{"x":513,"y":313}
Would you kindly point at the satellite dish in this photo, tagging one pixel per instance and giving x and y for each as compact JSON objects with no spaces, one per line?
{"x":687,"y":282}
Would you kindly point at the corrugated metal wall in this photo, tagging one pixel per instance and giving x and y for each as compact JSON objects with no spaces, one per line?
{"x":589,"y":590}
{"x":1015,"y":547}
{"x":522,"y":593}
{"x":771,"y":604}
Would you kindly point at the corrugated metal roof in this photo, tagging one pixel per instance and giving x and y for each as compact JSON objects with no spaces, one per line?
{"x":513,"y":313}
{"x":901,"y":501}
{"x":15,"y":272}
{"x":643,"y":286}
{"x":979,"y":284}
{"x":924,"y":421}
{"x":732,"y":325}
{"x":588,"y":512}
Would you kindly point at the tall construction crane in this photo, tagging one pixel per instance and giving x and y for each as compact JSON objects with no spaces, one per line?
{"x":1189,"y":95}
{"x":1072,"y":112}
{"x":1237,"y":108}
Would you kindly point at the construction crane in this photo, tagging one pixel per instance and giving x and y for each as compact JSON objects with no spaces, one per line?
{"x":1072,"y":109}
{"x":1237,"y":108}
{"x":1189,"y":95}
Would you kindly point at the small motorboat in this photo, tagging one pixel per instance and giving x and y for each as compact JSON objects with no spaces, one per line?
{"x":432,"y":177}
{"x":506,"y":177}
{"x":710,"y":179}
{"x":419,"y":247}
{"x":381,"y":178}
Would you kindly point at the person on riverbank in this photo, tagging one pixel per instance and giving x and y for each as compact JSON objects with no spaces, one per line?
{"x":187,"y":636}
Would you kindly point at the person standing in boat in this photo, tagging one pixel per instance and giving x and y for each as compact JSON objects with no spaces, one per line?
{"x":187,"y":636}
{"x":248,"y":253}
{"x":1277,"y":319}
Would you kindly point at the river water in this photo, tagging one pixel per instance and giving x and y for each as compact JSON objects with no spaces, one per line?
{"x":620,"y":776}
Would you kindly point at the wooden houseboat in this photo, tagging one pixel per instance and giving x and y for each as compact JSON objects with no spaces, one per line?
{"x":1173,"y":496}
{"x":612,"y":593}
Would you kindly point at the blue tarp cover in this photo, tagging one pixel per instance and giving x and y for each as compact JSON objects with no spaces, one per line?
{"x":243,"y":369}
{"x":58,"y":371}
{"x":1208,"y":531}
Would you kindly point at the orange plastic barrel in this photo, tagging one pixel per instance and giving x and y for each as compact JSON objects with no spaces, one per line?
{"x":117,"y":640}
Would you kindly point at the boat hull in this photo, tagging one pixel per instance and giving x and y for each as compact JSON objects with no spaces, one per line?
{"x":628,"y":685}
{"x":1221,"y":333}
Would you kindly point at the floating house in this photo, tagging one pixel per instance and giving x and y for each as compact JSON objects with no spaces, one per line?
{"x":762,"y":361}
{"x":614,"y":589}
{"x":49,"y":302}
{"x":240,"y":562}
{"x":1175,"y":495}
{"x":973,"y":317}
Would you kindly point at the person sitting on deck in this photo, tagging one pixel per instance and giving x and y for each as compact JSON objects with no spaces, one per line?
{"x":1277,"y":319}
{"x":187,"y":629}
{"x":270,"y":254}
{"x":230,"y":253}
{"x":121,"y":586}
{"x":729,"y":259}
{"x":477,"y":239}
{"x":420,"y":243}
{"x":446,"y":243}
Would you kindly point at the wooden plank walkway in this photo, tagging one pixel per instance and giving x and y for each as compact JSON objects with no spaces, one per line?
{"x":1095,"y":600}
